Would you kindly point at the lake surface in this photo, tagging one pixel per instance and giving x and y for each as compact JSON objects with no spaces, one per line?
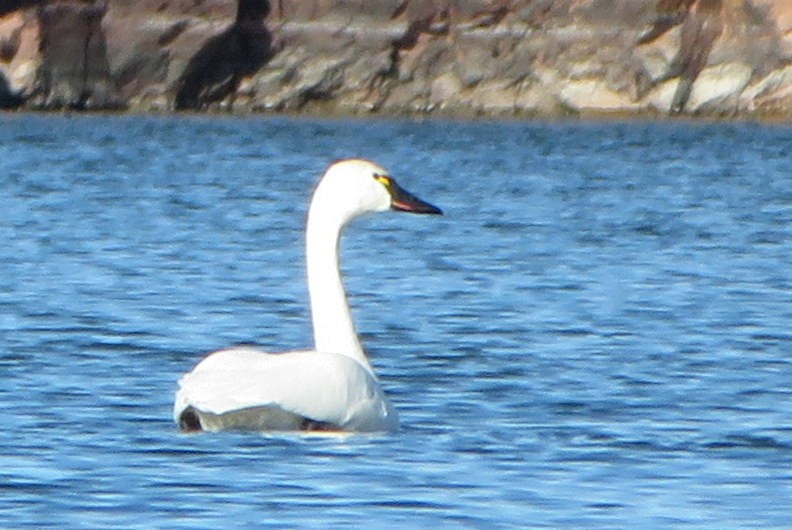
{"x":598,"y":333}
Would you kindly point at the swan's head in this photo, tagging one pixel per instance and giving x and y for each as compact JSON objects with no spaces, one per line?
{"x":354,"y":186}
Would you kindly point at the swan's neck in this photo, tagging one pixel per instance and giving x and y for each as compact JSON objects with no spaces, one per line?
{"x":334,"y":331}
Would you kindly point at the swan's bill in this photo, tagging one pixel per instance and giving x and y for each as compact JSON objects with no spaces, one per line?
{"x":404,"y":201}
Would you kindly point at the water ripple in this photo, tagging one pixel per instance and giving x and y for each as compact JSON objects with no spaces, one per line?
{"x":594,"y":335}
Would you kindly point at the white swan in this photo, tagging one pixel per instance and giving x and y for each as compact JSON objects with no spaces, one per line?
{"x":332,"y":387}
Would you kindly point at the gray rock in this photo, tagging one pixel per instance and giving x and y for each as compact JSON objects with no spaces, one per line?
{"x":471,"y":57}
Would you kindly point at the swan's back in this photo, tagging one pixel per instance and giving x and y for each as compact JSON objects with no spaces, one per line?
{"x":247,"y":389}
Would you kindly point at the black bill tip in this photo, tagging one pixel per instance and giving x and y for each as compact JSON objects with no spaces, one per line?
{"x":404,"y":201}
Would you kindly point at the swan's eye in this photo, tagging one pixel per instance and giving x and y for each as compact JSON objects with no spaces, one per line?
{"x":384,"y":180}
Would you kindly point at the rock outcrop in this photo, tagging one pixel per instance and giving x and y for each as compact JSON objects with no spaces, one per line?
{"x":471,"y":57}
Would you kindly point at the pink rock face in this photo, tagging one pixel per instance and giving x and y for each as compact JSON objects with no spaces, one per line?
{"x":74,"y":72}
{"x":19,"y":40}
{"x":780,"y":11}
{"x":478,"y":57}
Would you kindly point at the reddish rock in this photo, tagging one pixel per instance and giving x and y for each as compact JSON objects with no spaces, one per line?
{"x":464,"y":57}
{"x":74,"y":72}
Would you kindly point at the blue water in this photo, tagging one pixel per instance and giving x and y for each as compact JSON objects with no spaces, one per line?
{"x":598,"y":333}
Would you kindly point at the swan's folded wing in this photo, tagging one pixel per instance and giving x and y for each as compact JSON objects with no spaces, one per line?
{"x":322,"y":387}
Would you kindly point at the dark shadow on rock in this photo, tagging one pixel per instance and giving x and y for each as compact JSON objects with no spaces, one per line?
{"x":8,"y":6}
{"x":670,"y":13}
{"x":699,"y":32}
{"x":216,"y":70}
{"x":8,"y":98}
{"x":74,"y":71}
{"x":702,"y":24}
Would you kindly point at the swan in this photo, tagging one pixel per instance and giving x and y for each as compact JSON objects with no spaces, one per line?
{"x":332,"y":387}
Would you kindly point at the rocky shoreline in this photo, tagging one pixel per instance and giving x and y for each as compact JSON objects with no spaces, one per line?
{"x":500,"y":58}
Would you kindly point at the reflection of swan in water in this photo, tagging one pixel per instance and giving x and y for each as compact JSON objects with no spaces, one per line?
{"x":332,"y":387}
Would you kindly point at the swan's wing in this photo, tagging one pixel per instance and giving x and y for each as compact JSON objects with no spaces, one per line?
{"x":322,"y":387}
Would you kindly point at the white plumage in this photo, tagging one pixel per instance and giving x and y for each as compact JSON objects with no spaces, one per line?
{"x":332,"y":387}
